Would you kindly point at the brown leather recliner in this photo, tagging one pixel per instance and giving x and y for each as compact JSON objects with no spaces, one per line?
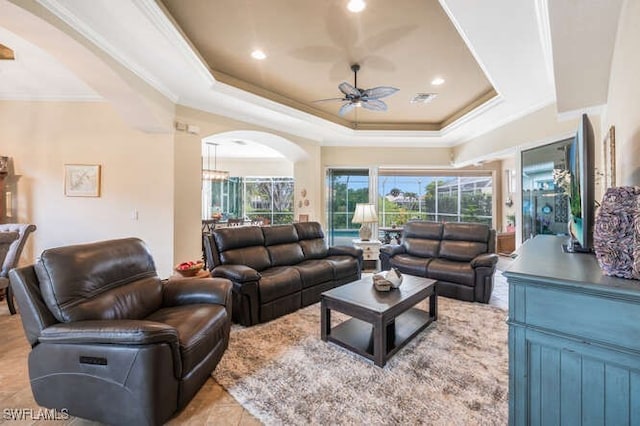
{"x":459,"y":256}
{"x":113,"y":342}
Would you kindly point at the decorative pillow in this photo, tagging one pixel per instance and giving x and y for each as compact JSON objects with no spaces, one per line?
{"x":616,"y":235}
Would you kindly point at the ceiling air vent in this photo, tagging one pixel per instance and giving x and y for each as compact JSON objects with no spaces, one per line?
{"x":423,"y":98}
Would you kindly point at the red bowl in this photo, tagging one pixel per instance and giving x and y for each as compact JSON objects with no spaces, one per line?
{"x":191,"y":272}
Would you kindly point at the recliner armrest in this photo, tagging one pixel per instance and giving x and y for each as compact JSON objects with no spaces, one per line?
{"x":392,"y":249}
{"x":345,"y":250}
{"x":125,"y":332}
{"x":187,"y":291}
{"x":487,"y":260}
{"x":237,"y":273}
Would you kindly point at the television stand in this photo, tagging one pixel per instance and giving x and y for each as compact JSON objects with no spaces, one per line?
{"x":573,"y":246}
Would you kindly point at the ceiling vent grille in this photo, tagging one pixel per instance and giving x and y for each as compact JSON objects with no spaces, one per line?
{"x":423,"y":98}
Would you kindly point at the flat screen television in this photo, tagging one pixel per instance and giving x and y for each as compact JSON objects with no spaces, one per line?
{"x":580,"y":162}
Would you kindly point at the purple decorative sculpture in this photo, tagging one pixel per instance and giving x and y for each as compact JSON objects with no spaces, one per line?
{"x":616,"y":236}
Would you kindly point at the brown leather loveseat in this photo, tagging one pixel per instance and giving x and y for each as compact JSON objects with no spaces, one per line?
{"x":460,"y":256}
{"x":110,"y":340}
{"x":276,"y":270}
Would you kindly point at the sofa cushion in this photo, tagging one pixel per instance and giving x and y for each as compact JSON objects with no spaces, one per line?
{"x":343,"y":266}
{"x":411,"y":265}
{"x":256,"y":257}
{"x":312,"y":240}
{"x":277,"y":282}
{"x":285,"y":254}
{"x":314,"y":272}
{"x":423,"y":229}
{"x":478,"y":232}
{"x":200,"y":328}
{"x":309,"y":230}
{"x":448,"y":270}
{"x":422,"y":247}
{"x":238,"y":237}
{"x":113,"y":279}
{"x":279,"y":234}
{"x":314,"y":248}
{"x":462,"y":251}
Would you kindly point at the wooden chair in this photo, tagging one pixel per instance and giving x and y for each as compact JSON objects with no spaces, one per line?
{"x":13,"y":256}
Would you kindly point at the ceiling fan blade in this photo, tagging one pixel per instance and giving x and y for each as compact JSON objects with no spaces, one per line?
{"x":374,"y":105}
{"x":329,"y":99}
{"x":379,"y":92}
{"x":346,"y":108}
{"x":349,"y":90}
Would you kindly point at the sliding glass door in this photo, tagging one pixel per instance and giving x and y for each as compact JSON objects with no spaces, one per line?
{"x":346,"y":188}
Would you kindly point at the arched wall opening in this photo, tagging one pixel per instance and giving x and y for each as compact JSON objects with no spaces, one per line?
{"x":248,"y":176}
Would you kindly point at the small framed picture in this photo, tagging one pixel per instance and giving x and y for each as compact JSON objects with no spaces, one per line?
{"x":303,"y":218}
{"x":82,"y":180}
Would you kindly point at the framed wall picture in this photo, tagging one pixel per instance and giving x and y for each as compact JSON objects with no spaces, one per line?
{"x":609,"y":158}
{"x":303,"y":218}
{"x":82,"y":180}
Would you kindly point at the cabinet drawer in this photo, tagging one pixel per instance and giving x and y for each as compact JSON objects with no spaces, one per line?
{"x":370,"y":256}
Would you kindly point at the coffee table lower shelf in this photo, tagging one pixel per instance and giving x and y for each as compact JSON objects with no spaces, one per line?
{"x":358,"y":336}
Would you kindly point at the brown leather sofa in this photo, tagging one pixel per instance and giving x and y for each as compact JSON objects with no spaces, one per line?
{"x":276,"y":270}
{"x":110,"y":340}
{"x":460,"y":256}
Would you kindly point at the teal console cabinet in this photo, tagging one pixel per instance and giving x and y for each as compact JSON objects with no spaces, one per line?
{"x":574,"y":340}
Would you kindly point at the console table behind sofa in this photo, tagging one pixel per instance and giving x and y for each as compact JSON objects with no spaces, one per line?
{"x":574,"y":346}
{"x":276,"y":270}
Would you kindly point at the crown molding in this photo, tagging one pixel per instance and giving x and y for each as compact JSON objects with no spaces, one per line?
{"x":86,"y":31}
{"x":164,"y":23}
{"x":49,"y":98}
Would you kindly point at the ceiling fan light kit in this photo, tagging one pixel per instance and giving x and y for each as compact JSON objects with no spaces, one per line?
{"x":355,"y":97}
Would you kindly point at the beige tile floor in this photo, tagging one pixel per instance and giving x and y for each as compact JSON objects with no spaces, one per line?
{"x":211,"y":405}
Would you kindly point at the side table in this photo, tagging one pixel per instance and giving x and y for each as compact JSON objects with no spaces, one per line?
{"x":203,"y":273}
{"x":371,"y":253}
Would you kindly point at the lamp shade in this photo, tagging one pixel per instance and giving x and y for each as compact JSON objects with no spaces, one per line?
{"x":365,"y":213}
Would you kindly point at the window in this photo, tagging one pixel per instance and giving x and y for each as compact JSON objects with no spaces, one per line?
{"x":406,"y":195}
{"x":346,"y":188}
{"x":269,"y":199}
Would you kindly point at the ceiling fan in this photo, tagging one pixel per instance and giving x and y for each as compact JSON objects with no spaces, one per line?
{"x":356,"y":97}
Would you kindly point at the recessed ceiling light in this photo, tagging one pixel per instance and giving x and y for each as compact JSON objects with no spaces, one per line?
{"x":258,"y":54}
{"x":356,"y":6}
{"x":437,"y":81}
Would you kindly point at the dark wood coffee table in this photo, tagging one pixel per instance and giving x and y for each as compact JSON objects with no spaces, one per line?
{"x":381,"y":322}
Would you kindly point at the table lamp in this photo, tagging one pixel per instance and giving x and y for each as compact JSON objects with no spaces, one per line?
{"x":365,"y":214}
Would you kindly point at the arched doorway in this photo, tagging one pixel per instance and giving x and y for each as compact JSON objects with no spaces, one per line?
{"x":248,"y":176}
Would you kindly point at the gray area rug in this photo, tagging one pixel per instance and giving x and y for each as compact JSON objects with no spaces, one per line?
{"x":454,"y":372}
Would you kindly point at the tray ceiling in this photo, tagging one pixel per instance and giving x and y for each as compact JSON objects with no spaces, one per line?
{"x":311,"y":44}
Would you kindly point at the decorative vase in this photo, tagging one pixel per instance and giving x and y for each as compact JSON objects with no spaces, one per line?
{"x":616,"y":234}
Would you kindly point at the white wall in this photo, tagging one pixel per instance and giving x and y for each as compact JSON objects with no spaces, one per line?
{"x":539,"y":127}
{"x":333,"y":156}
{"x":137,"y":174}
{"x":256,"y":167}
{"x":623,"y":106}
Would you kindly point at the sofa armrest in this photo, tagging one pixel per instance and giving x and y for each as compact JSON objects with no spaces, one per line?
{"x":236,"y":273}
{"x":392,"y":249}
{"x":345,"y":250}
{"x":113,"y":332}
{"x":486,"y":260}
{"x":188,"y":291}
